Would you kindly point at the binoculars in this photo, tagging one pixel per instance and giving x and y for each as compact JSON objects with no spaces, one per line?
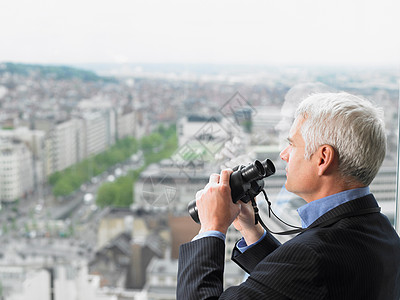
{"x":246,"y":182}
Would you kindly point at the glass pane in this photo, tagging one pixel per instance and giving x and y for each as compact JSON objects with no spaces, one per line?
{"x":113,"y":116}
{"x":397,"y":204}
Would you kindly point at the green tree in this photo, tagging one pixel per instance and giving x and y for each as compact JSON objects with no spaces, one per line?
{"x":62,"y":188}
{"x":151,"y":141}
{"x":107,"y":194}
{"x":125,"y":196}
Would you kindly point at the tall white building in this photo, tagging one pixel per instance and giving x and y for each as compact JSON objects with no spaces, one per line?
{"x":35,"y":140}
{"x":64,"y":145}
{"x":16,"y":174}
{"x":102,"y":112}
{"x":99,"y":131}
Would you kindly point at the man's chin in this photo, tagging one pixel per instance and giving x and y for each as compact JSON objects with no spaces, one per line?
{"x":287,"y":187}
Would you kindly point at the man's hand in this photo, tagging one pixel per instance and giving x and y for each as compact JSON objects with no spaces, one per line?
{"x":245,"y":223}
{"x":214,"y":204}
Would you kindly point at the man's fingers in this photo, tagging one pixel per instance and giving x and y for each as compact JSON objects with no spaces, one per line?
{"x":225,"y":175}
{"x":214,"y":178}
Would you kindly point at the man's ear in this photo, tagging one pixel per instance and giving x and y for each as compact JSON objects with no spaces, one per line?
{"x":326,"y":159}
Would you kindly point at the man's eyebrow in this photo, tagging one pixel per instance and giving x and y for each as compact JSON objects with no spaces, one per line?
{"x":289,"y":140}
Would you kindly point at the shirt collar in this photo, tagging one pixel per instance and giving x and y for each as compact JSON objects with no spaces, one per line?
{"x":315,"y":209}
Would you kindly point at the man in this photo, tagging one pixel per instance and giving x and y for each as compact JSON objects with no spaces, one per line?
{"x":349,"y":251}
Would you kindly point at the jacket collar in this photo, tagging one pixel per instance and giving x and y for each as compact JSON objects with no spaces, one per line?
{"x":349,"y":208}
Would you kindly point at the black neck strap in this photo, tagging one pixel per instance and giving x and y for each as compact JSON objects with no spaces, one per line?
{"x":325,"y":223}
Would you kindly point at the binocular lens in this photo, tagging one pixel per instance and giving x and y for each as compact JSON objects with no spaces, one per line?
{"x":253,"y":171}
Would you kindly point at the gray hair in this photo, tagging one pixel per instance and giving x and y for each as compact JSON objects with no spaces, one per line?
{"x":352,"y":126}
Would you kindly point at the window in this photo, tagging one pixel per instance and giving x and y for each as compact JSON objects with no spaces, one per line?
{"x":138,"y":103}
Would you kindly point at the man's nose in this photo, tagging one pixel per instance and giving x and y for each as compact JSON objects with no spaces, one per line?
{"x":284,"y":155}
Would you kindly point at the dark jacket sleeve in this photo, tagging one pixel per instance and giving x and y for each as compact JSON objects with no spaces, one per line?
{"x":200,"y":269}
{"x":254,"y":255}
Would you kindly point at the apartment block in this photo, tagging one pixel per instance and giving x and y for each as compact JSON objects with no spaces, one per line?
{"x":16,"y":170}
{"x":98,"y":130}
{"x":35,"y":141}
{"x":64,"y":145}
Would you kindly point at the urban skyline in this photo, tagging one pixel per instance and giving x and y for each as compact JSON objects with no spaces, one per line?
{"x":52,"y":122}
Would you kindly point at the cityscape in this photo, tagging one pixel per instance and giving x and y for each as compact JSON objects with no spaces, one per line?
{"x":99,"y":162}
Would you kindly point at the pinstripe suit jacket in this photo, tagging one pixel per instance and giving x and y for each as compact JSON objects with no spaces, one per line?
{"x":355,"y":258}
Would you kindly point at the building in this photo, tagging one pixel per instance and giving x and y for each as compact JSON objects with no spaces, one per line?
{"x":20,"y":283}
{"x":183,"y":229}
{"x":161,"y":279}
{"x":16,"y":170}
{"x":127,"y":241}
{"x":64,"y":145}
{"x":114,"y":222}
{"x":122,"y":262}
{"x":125,"y":119}
{"x":71,"y":141}
{"x":61,"y":282}
{"x":48,"y":270}
{"x":35,"y":141}
{"x":143,"y":251}
{"x":95,"y":129}
{"x":112,"y":262}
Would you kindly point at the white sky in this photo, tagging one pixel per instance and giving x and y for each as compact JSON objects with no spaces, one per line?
{"x":206,"y":31}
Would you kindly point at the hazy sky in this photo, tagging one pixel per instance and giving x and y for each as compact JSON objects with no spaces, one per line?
{"x":206,"y":31}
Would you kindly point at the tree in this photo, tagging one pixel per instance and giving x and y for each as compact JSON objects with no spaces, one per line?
{"x":62,"y":188}
{"x":107,"y":194}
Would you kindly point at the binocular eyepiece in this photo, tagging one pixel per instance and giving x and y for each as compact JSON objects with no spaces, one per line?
{"x":245,"y":182}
